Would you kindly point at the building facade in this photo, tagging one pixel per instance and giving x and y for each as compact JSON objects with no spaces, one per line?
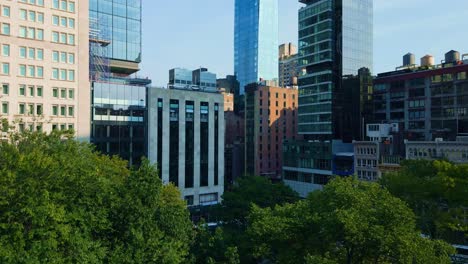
{"x":186,"y":141}
{"x":428,"y":101}
{"x":44,"y":66}
{"x":122,"y":21}
{"x":119,"y":99}
{"x":288,"y":71}
{"x":453,"y":151}
{"x":270,"y":119}
{"x":255,"y":41}
{"x":335,"y":60}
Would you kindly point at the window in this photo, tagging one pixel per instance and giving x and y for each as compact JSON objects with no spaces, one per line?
{"x":63,"y":57}
{"x":71,"y":111}
{"x":71,"y":58}
{"x":5,"y":108}
{"x":63,"y":93}
{"x":71,"y":75}
{"x":32,"y":16}
{"x":63,"y":38}
{"x":71,"y":7}
{"x":63,"y":5}
{"x":55,"y":37}
{"x":22,"y":52}
{"x":71,"y":94}
{"x":32,"y":53}
{"x":54,"y":110}
{"x":40,"y":71}
{"x":39,"y":90}
{"x":71,"y":39}
{"x":40,"y":17}
{"x":22,"y":90}
{"x":21,"y":109}
{"x":6,"y":11}
{"x":55,"y":92}
{"x":55,"y":20}
{"x":5,"y":68}
{"x":63,"y":21}
{"x":63,"y":74}
{"x":31,"y":91}
{"x":40,"y":34}
{"x":38,"y":109}
{"x":6,"y":50}
{"x":55,"y":4}
{"x":31,"y":71}
{"x":55,"y":73}
{"x":5,"y":29}
{"x":31,"y":33}
{"x":22,"y":32}
{"x":40,"y":54}
{"x":5,"y":89}
{"x":23,"y":14}
{"x":55,"y":56}
{"x":63,"y":111}
{"x":71,"y":23}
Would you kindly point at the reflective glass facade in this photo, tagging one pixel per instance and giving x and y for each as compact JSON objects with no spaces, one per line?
{"x":335,"y":40}
{"x":255,"y":41}
{"x":119,"y":120}
{"x":122,"y":18}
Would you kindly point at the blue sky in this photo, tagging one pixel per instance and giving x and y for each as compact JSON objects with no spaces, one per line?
{"x":188,"y":33}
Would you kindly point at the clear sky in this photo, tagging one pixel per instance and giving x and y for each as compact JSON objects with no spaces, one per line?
{"x":190,"y":34}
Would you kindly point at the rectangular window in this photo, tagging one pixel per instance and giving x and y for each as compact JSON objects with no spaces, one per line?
{"x":23,"y":14}
{"x":71,"y":7}
{"x":5,"y":89}
{"x":55,"y":20}
{"x":31,"y":33}
{"x":22,"y":70}
{"x":32,"y":16}
{"x":22,"y":109}
{"x":22,"y":32}
{"x":54,"y":110}
{"x":40,"y":34}
{"x":40,"y":54}
{"x":31,"y":91}
{"x":55,"y":92}
{"x":71,"y":111}
{"x":71,"y":94}
{"x":39,"y":90}
{"x":71,"y":75}
{"x":40,"y":17}
{"x":55,"y":4}
{"x":55,"y":56}
{"x":6,"y":68}
{"x":6,"y":50}
{"x":22,"y":90}
{"x":22,"y":52}
{"x":71,"y":58}
{"x":63,"y":74}
{"x":71,"y":23}
{"x":40,"y":71}
{"x":63,"y":38}
{"x":55,"y":73}
{"x":39,"y":109}
{"x":55,"y":37}
{"x":63,"y":21}
{"x":63,"y":93}
{"x":5,"y":29}
{"x":63,"y":111}
{"x":63,"y":57}
{"x":71,"y":39}
{"x":5,"y":108}
{"x":31,"y":71}
{"x":31,"y":53}
{"x":6,"y":11}
{"x":63,"y":5}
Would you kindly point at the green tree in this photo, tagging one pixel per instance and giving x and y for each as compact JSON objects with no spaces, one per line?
{"x":437,"y":191}
{"x":347,"y":222}
{"x":62,"y":202}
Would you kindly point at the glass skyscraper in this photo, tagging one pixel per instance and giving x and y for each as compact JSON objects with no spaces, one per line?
{"x":335,"y":40}
{"x":335,"y":63}
{"x":255,"y":41}
{"x":122,"y":20}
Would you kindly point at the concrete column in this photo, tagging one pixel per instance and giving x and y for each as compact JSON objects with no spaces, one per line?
{"x":166,"y":139}
{"x":211,"y":142}
{"x":196,"y":158}
{"x":181,"y":143}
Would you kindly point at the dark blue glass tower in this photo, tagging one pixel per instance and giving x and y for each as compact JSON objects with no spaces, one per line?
{"x":255,"y":41}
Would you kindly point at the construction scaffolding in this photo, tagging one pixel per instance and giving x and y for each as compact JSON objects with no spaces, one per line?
{"x":99,"y":40}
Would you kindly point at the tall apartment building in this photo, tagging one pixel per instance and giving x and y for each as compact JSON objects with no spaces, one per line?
{"x":44,"y":65}
{"x":335,"y":42}
{"x":428,"y":101}
{"x":119,"y":102}
{"x":270,"y":119}
{"x":288,"y":71}
{"x":186,"y":141}
{"x":255,"y":41}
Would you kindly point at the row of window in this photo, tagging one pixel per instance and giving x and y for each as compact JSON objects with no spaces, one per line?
{"x":366,"y":163}
{"x":38,"y":110}
{"x":38,"y":91}
{"x":31,"y":33}
{"x":63,"y":21}
{"x":63,"y":38}
{"x":63,"y":111}
{"x":63,"y":74}
{"x":63,"y":57}
{"x":31,"y":53}
{"x":30,"y":15}
{"x":33,"y":71}
{"x":366,"y":151}
{"x":64,"y":5}
{"x":33,"y":2}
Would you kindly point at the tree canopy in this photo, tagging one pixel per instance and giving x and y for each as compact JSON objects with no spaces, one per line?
{"x":437,"y":191}
{"x":347,"y":222}
{"x":62,"y":202}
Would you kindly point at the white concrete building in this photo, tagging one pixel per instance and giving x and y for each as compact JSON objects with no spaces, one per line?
{"x":186,"y":141}
{"x":44,"y":65}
